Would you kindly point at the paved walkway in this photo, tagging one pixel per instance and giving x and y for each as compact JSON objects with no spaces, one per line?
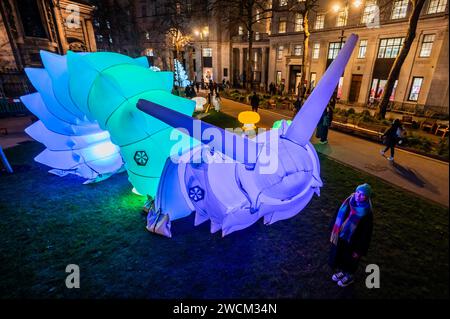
{"x":421,"y":175}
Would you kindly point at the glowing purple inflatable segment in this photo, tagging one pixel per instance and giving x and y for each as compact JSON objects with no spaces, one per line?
{"x":241,"y":149}
{"x":230,"y":194}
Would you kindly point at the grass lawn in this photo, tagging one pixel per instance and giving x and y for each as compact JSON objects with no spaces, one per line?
{"x":221,"y":119}
{"x":48,"y":222}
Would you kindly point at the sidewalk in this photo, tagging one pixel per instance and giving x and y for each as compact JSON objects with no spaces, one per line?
{"x":421,"y":175}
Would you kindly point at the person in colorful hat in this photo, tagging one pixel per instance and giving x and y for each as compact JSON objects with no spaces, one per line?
{"x":351,"y":235}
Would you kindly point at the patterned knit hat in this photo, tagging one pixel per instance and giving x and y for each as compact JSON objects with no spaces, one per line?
{"x":365,"y":188}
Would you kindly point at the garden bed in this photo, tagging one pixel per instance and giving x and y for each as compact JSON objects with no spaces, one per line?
{"x":368,"y":127}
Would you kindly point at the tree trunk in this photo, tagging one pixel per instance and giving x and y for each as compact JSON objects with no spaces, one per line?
{"x":302,"y":92}
{"x":396,"y":67}
{"x":249,"y":75}
{"x":191,"y":65}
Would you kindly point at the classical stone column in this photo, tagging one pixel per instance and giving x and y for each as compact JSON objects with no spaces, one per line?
{"x":264,"y":67}
{"x":241,"y":63}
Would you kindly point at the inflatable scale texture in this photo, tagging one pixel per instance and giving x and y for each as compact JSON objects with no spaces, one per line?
{"x":86,"y":103}
{"x":231,"y":187}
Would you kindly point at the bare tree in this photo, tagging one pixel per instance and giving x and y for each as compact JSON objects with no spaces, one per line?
{"x":245,"y":13}
{"x":304,"y":8}
{"x":417,"y":6}
{"x":171,"y":24}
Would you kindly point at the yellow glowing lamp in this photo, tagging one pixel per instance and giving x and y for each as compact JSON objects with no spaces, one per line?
{"x":249,"y":119}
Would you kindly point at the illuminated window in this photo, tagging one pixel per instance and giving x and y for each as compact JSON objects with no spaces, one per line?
{"x":278,"y":77}
{"x":399,"y":9}
{"x":283,"y":3}
{"x":298,"y":22}
{"x":282,"y":25}
{"x":241,"y":30}
{"x":427,"y":45}
{"x":415,"y":88}
{"x":333,"y":49}
{"x":280,"y":52}
{"x":316,"y":51}
{"x":298,"y":50}
{"x":257,"y":36}
{"x":437,"y":6}
{"x":370,"y":11}
{"x":207,"y":52}
{"x":320,"y":22}
{"x":389,"y":48}
{"x":362,"y":49}
{"x":149,"y":52}
{"x":342,"y":18}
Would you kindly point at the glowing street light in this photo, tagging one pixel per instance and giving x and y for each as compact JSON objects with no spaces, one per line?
{"x":357,"y":3}
{"x":336,"y":7}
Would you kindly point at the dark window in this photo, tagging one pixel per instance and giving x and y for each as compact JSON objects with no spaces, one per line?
{"x":225,"y":71}
{"x":194,"y":64}
{"x":207,"y":62}
{"x":31,"y":18}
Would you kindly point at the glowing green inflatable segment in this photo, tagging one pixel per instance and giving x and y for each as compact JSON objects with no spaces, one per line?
{"x":277,"y":124}
{"x":108,"y":89}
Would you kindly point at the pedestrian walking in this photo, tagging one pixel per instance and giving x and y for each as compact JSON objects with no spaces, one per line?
{"x":351,"y":235}
{"x":272,"y":88}
{"x":297,"y":105}
{"x":217,"y":102}
{"x":324,"y":124}
{"x":254,"y":101}
{"x":197,"y":86}
{"x":391,"y":137}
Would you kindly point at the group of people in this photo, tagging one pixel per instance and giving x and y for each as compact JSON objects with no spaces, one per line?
{"x":276,"y":88}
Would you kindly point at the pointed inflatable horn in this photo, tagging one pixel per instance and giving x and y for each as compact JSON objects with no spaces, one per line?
{"x":238,"y":148}
{"x":306,"y":120}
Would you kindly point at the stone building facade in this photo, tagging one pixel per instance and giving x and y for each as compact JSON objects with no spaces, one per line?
{"x":423,"y":80}
{"x":219,"y":52}
{"x":277,"y":51}
{"x":28,"y":26}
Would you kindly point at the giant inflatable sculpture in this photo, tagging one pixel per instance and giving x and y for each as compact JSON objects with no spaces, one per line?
{"x":186,"y":165}
{"x":86,"y":104}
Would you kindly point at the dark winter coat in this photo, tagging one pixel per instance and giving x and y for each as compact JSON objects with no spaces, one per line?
{"x":254,"y":101}
{"x":341,"y":254}
{"x":391,"y":137}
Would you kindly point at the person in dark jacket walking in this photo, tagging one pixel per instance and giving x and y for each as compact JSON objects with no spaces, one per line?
{"x":391,"y":138}
{"x":351,"y":235}
{"x":324,"y":124}
{"x":254,"y":101}
{"x":297,"y":105}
